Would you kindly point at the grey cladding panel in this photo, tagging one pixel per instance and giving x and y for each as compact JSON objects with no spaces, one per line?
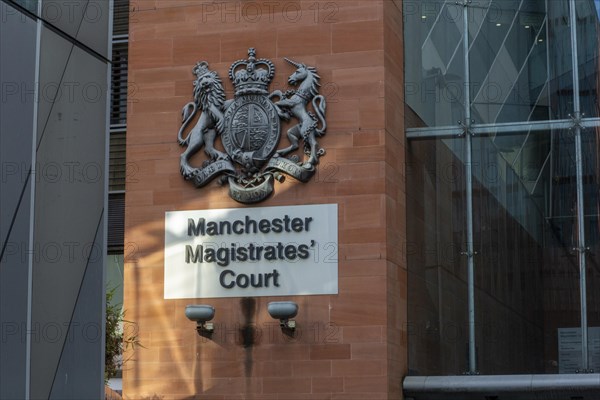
{"x":17,"y":76}
{"x":77,"y":377}
{"x":66,"y":15}
{"x":84,"y":20}
{"x":94,"y":27}
{"x":55,"y":53}
{"x":69,"y":205}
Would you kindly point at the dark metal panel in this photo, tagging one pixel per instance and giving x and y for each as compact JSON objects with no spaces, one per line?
{"x":17,"y":77}
{"x":86,"y":21}
{"x":55,"y":53}
{"x":64,"y":14}
{"x":69,"y":203}
{"x":87,"y":332}
{"x":14,"y":277}
{"x":94,"y":26}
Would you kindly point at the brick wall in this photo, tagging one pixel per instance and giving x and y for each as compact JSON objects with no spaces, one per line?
{"x":348,"y":346}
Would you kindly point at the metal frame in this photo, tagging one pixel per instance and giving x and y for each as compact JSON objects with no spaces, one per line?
{"x":528,"y":387}
{"x":468,"y":129}
{"x":580,"y":206}
{"x":507,"y":128}
{"x":470,"y":253}
{"x":106,"y":185}
{"x":29,"y":322}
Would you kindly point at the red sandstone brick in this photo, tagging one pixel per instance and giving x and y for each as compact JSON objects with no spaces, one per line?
{"x":187,"y":51}
{"x":362,"y":334}
{"x":364,"y":166}
{"x":369,"y":351}
{"x":311,"y":368}
{"x":315,"y":41}
{"x":357,"y":36}
{"x":327,"y":385}
{"x":152,"y":53}
{"x":286,"y":385}
{"x":365,"y":384}
{"x":361,"y":311}
{"x":358,"y":367}
{"x":272,"y":369}
{"x":362,"y":396}
{"x":330,"y":352}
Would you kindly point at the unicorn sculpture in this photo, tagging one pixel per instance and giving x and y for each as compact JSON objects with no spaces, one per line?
{"x":293,"y":104}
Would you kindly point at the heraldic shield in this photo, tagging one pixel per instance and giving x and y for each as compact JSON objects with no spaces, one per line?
{"x":250,"y":128}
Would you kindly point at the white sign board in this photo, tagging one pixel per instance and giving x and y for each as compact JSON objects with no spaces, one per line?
{"x":250,"y":252}
{"x":569,"y":349}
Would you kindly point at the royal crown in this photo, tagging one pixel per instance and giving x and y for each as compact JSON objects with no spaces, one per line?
{"x":201,"y":69}
{"x":254,"y":78}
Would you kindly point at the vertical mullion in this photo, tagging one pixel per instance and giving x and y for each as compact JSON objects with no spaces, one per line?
{"x":550,"y":201}
{"x":469,"y":194}
{"x":29,"y":322}
{"x":580,"y":205}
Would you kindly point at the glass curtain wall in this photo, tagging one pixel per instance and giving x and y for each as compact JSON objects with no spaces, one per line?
{"x":503,"y":130}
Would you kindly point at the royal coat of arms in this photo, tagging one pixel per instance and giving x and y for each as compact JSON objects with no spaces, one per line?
{"x":250,"y":128}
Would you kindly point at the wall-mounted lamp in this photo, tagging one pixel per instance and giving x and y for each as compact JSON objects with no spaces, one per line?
{"x":201,"y":314}
{"x":283,"y":311}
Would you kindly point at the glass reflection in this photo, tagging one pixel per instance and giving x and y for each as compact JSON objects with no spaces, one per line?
{"x":516,"y":72}
{"x":29,"y":5}
{"x":526,"y":276}
{"x":524,"y":189}
{"x":435,"y":63}
{"x":437,"y":289}
{"x":588,"y":43}
{"x":591,"y":180}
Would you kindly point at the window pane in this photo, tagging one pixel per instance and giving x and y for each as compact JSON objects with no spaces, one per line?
{"x":526,"y":155}
{"x":588,"y":41}
{"x":434,"y":62}
{"x":30,"y":5}
{"x":114,"y":278}
{"x":527,"y":275}
{"x":120,"y":17}
{"x":520,"y":61}
{"x":591,"y":175}
{"x":560,"y":94}
{"x":590,"y":140}
{"x":119,"y":87}
{"x":527,"y":279}
{"x":437,"y":290}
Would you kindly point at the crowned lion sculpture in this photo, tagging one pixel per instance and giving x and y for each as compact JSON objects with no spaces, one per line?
{"x":209,"y":98}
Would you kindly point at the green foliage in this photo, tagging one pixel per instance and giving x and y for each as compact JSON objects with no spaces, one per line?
{"x":117,"y":340}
